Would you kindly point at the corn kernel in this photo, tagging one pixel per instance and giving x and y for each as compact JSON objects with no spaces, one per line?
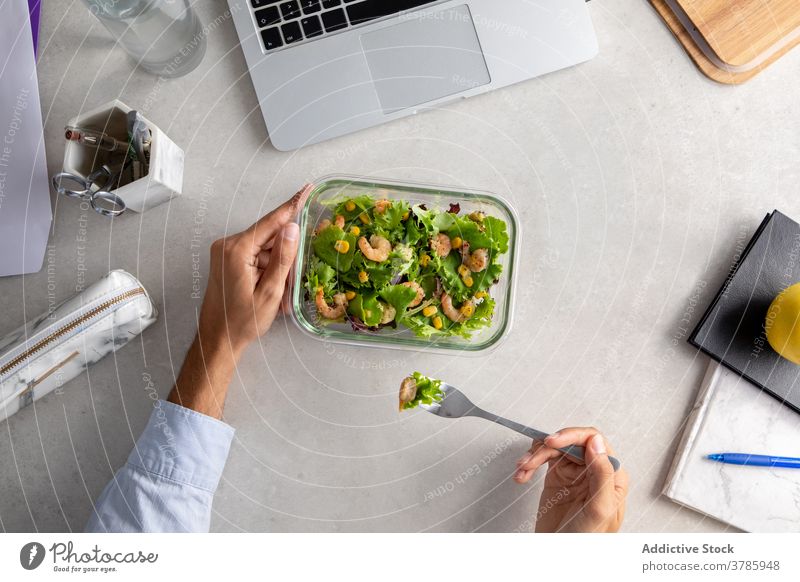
{"x":424,"y":260}
{"x":405,"y":216}
{"x":364,"y":217}
{"x":349,"y":206}
{"x":468,"y":281}
{"x":481,"y":295}
{"x":456,"y":242}
{"x":363,"y":276}
{"x":430,"y":310}
{"x":463,"y":270}
{"x":467,"y":310}
{"x":341,"y":246}
{"x":437,"y":322}
{"x":350,"y":295}
{"x":355,"y":231}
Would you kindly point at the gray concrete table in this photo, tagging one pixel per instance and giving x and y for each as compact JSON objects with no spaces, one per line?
{"x":635,"y":179}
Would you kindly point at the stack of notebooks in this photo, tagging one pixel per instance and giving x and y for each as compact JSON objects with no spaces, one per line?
{"x":733,"y":40}
{"x":750,"y":396}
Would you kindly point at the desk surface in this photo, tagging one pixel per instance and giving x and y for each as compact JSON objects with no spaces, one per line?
{"x":637,"y":181}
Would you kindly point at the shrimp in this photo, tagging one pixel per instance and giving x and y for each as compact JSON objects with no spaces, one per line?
{"x":328,"y":312}
{"x":420,"y":292}
{"x":477,"y":261}
{"x":453,"y":314}
{"x":389,"y":313}
{"x":408,"y":391}
{"x":382,"y":205}
{"x":441,"y":245}
{"x":338,"y":221}
{"x":377,"y":249}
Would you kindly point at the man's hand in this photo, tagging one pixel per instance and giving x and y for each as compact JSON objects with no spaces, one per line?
{"x":576,"y":497}
{"x":245,"y":291}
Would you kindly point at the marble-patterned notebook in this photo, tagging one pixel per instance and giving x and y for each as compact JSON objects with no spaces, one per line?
{"x":732,"y":415}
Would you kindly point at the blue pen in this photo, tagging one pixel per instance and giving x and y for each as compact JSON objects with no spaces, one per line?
{"x":755,"y":460}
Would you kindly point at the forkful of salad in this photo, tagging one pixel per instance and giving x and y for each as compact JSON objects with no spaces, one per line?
{"x":447,"y":401}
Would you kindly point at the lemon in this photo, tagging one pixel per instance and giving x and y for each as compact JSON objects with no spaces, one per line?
{"x":783,"y":323}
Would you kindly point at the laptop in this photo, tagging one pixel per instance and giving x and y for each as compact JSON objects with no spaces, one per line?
{"x":326,"y":68}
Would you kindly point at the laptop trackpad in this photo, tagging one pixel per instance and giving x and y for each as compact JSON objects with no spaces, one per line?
{"x":425,"y":58}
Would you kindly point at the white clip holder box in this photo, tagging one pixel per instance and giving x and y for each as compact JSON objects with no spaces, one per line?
{"x":165,"y":175}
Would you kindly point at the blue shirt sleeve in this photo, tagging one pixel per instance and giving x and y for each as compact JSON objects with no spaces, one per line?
{"x":169,"y":480}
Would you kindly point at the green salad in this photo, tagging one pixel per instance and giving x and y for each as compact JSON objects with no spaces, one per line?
{"x":386,"y":263}
{"x":419,"y":389}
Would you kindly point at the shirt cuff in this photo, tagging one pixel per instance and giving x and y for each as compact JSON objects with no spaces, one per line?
{"x":183,"y":445}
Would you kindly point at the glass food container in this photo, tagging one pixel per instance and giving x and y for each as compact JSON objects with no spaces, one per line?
{"x":439,"y":197}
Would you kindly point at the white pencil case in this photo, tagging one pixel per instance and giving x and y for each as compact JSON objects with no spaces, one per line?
{"x":54,"y":348}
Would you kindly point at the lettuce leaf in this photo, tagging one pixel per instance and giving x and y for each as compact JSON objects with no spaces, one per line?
{"x":399,"y":297}
{"x":481,"y":319}
{"x":421,"y":326}
{"x":415,"y":234}
{"x":380,"y":274}
{"x":434,"y":221}
{"x":338,"y":205}
{"x":496,"y":229}
{"x":320,"y":275}
{"x":454,"y":284}
{"x":367,"y":308}
{"x":427,"y":279}
{"x":389,"y":224}
{"x":470,"y":232}
{"x":448,"y":273}
{"x":429,"y":390}
{"x":323,"y":245}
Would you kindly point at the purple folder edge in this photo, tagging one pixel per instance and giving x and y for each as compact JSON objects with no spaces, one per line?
{"x":34,"y":7}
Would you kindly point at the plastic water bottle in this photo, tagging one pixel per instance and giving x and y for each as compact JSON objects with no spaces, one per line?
{"x":165,"y":37}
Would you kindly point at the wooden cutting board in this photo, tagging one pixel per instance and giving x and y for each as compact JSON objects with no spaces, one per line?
{"x":743,"y":31}
{"x":709,"y":68}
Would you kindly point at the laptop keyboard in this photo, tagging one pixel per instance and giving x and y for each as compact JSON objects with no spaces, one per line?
{"x":283,"y":22}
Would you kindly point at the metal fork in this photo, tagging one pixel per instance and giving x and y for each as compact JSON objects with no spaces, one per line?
{"x":455,"y":404}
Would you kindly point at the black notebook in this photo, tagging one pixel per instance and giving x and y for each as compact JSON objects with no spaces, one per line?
{"x":732,"y":329}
